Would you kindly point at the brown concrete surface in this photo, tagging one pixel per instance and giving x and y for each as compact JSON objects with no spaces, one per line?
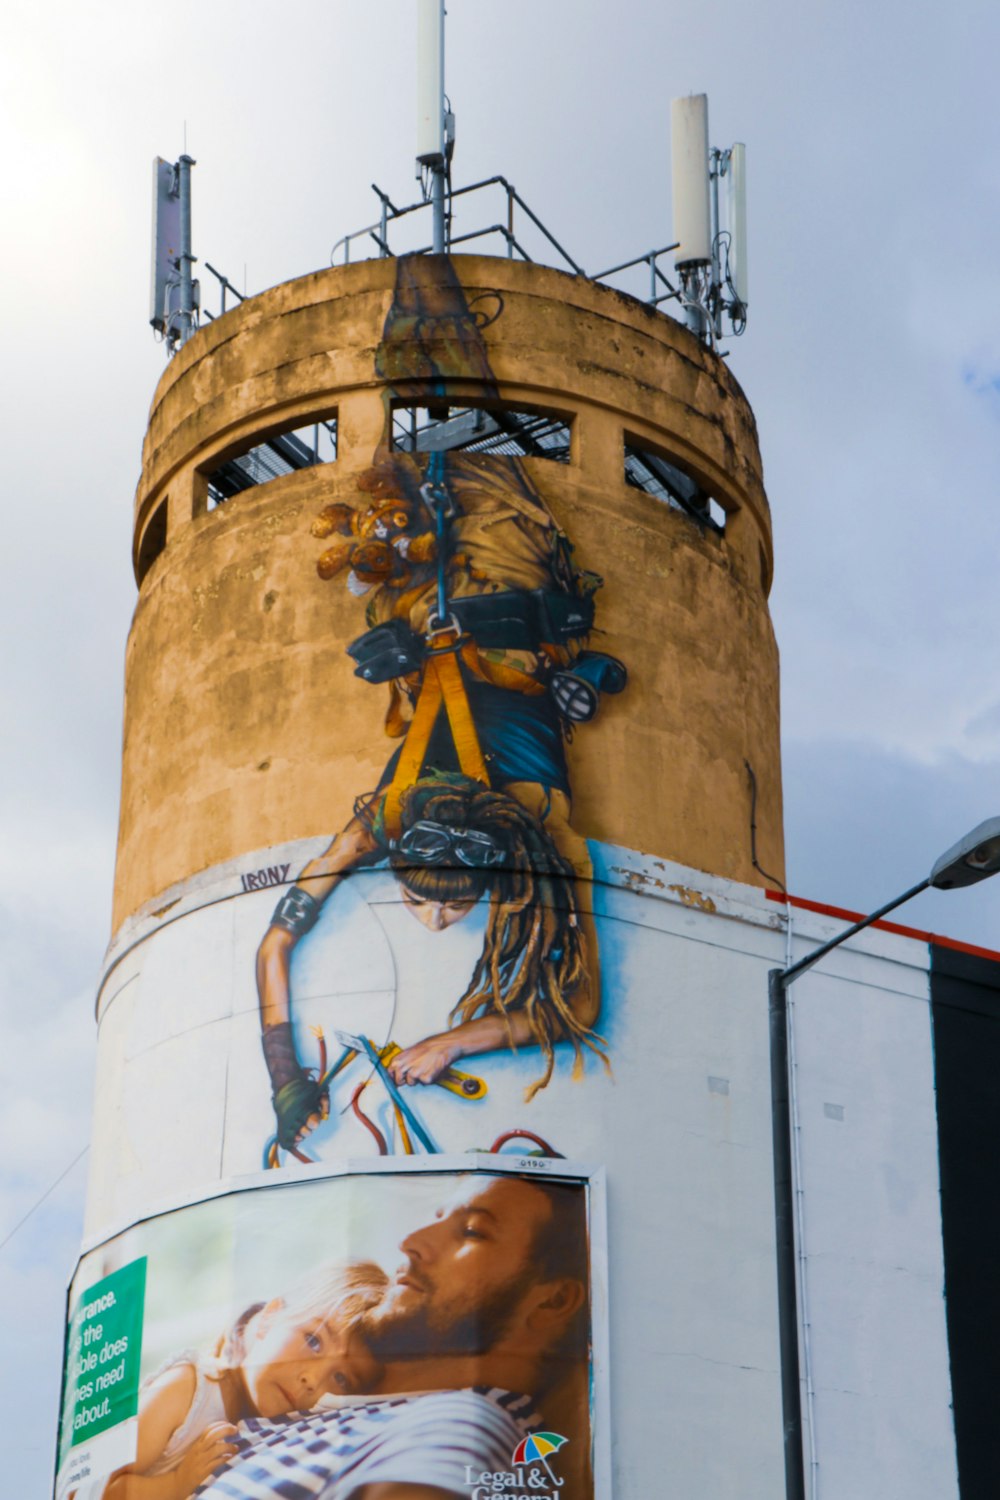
{"x":244,"y":724}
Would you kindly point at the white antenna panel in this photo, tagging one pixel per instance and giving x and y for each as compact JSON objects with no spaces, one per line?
{"x":689,"y":164}
{"x":737,"y":220}
{"x":164,"y":280}
{"x":430,"y":80}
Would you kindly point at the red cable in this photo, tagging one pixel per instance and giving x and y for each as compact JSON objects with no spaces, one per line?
{"x":525,"y":1135}
{"x":383,"y":1149}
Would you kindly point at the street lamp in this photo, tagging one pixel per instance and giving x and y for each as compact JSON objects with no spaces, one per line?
{"x":973,"y":858}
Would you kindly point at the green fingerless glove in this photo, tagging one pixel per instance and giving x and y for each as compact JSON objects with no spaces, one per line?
{"x":294,"y":1102}
{"x":295,"y":1095}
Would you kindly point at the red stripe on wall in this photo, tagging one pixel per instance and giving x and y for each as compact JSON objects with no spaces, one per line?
{"x":857,"y":916}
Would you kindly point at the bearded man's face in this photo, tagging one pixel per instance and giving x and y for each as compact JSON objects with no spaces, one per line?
{"x":465,"y":1273}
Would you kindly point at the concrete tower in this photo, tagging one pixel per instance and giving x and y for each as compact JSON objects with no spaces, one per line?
{"x":450,"y":745}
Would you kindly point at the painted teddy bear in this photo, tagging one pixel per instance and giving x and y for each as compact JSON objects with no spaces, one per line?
{"x":386,"y":545}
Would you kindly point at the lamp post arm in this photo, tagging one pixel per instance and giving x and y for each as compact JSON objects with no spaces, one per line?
{"x":795,"y":970}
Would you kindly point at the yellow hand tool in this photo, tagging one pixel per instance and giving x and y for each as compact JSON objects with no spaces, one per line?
{"x":462,"y":1084}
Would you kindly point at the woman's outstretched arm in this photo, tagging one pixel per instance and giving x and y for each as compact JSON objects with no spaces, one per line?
{"x":299,"y":1103}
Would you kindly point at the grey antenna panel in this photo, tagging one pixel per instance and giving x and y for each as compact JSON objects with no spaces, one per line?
{"x":164,"y":285}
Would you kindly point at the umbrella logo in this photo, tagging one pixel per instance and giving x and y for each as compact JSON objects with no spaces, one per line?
{"x":537,"y":1448}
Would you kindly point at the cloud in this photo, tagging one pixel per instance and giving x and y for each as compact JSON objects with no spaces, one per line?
{"x":984,"y":383}
{"x":872,"y":234}
{"x":864,"y":824}
{"x":46,"y":1084}
{"x":986,"y":724}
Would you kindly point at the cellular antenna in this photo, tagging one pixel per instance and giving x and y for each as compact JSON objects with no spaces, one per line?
{"x":689,"y":159}
{"x":435,"y":122}
{"x":711,"y":258}
{"x":737,"y":217}
{"x":174,"y":294}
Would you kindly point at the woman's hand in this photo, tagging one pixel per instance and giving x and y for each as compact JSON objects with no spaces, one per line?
{"x":426,"y":1060}
{"x":300,"y":1104}
{"x":316,"y":1118}
{"x":211,"y":1449}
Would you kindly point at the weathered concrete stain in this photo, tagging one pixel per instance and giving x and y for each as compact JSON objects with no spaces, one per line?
{"x":638,"y":880}
{"x":693,"y":898}
{"x":642,"y":882}
{"x":237,"y":653}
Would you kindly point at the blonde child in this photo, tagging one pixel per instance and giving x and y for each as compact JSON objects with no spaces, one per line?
{"x":278,"y":1357}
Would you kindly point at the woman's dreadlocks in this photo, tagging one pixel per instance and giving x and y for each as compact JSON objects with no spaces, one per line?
{"x":534,"y":952}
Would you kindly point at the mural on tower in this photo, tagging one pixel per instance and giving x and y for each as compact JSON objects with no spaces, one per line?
{"x":477,"y":623}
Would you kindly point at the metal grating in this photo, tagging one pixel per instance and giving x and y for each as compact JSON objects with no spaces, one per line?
{"x":279,"y":455}
{"x":530,"y":434}
{"x":656,"y":476}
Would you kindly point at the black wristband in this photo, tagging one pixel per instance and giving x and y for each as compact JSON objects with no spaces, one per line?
{"x":283,"y":1064}
{"x":296,"y":912}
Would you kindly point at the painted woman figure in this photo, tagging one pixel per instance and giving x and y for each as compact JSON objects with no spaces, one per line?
{"x":477,"y":623}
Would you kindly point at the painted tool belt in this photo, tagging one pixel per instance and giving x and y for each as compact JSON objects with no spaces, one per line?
{"x":515,"y":619}
{"x":522,"y":619}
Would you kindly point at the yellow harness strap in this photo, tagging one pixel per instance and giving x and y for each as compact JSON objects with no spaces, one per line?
{"x":499,"y":675}
{"x":442,"y":684}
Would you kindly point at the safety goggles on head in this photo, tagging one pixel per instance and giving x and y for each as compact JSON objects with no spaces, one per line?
{"x":433,"y":843}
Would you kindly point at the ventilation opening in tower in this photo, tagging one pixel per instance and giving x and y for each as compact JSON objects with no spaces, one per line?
{"x":281,"y":452}
{"x":650,"y":470}
{"x":525,"y":432}
{"x":154,"y":539}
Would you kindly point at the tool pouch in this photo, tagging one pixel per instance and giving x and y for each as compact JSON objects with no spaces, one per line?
{"x":386,"y":651}
{"x":563,"y":617}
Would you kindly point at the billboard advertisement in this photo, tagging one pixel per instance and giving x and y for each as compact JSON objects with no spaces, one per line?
{"x":438,"y":1325}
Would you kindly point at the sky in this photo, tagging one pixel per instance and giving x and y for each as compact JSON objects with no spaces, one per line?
{"x":872,"y":360}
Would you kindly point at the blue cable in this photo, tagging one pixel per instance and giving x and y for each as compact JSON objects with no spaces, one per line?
{"x":399,"y":1101}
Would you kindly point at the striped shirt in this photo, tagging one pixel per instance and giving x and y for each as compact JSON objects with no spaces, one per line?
{"x":431,"y":1438}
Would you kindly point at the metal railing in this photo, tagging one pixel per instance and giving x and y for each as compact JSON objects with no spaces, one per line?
{"x":378,"y":234}
{"x":656,"y":276}
{"x":225,"y":285}
{"x":271,"y":458}
{"x":490,"y":430}
{"x":659,"y":288}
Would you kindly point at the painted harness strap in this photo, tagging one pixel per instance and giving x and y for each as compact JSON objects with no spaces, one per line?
{"x":442,"y":685}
